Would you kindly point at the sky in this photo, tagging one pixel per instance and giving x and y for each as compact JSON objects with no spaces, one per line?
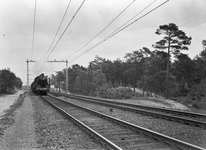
{"x":27,"y":33}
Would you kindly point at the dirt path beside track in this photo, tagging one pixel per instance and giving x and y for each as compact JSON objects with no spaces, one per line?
{"x":21,"y":135}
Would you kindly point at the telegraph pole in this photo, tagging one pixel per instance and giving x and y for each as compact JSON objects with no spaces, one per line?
{"x":91,"y":78}
{"x":66,"y":70}
{"x":27,"y":61}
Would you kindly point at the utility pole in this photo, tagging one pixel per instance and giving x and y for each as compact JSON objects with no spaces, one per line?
{"x":27,"y":61}
{"x":91,"y":77}
{"x":135,"y":69}
{"x":66,"y":70}
{"x":168,"y":68}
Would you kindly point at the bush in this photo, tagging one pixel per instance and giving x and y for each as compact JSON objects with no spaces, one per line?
{"x":200,"y":104}
{"x":119,"y":93}
{"x":198,"y":91}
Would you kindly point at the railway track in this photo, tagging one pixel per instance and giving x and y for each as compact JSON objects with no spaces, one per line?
{"x":114,"y":133}
{"x":188,"y":118}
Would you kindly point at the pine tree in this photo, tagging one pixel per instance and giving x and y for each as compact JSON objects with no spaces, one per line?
{"x":174,"y":41}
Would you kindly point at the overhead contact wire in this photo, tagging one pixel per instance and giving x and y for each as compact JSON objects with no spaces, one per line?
{"x":114,"y":33}
{"x":66,"y":27}
{"x":117,"y":28}
{"x":58,"y":29}
{"x":64,"y":31}
{"x":111,"y":35}
{"x":56,"y":34}
{"x":127,"y":21}
{"x":132,"y":18}
{"x":103,"y":29}
{"x":33,"y":30}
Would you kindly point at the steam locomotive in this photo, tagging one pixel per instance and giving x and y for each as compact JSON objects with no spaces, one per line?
{"x":41,"y":85}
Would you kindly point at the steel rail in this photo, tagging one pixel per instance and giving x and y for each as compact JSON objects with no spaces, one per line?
{"x":164,"y":138}
{"x":184,"y":113}
{"x":108,"y":144}
{"x":129,"y":107}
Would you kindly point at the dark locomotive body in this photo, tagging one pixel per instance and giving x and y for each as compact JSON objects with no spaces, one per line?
{"x":41,"y":85}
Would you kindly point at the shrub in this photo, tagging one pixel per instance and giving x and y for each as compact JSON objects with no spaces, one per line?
{"x":119,"y":93}
{"x":200,"y":104}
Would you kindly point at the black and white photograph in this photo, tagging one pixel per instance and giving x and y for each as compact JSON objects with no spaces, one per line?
{"x":102,"y":75}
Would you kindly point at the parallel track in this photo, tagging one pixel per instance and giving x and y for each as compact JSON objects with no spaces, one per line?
{"x":184,"y":117}
{"x":114,"y":133}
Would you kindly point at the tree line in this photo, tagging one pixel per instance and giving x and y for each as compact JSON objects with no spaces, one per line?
{"x":164,"y":70}
{"x":9,"y":81}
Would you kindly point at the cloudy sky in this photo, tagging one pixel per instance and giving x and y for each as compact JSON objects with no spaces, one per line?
{"x":17,"y":24}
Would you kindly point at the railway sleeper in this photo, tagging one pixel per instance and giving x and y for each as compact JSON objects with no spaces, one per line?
{"x":145,"y":141}
{"x":127,"y":139}
{"x":152,"y":146}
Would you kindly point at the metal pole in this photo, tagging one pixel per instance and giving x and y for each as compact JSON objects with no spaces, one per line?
{"x":66,"y":71}
{"x":27,"y":61}
{"x":91,"y":78}
{"x":66,"y":76}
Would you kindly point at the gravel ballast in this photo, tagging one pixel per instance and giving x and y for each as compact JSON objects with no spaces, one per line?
{"x":54,"y":131}
{"x":193,"y":135}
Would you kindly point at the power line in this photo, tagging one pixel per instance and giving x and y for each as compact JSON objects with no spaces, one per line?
{"x":117,"y":31}
{"x":67,"y":27}
{"x":114,"y":30}
{"x":132,"y":18}
{"x":117,"y":28}
{"x":103,"y":29}
{"x":58,"y":29}
{"x":33,"y":29}
{"x":63,"y":33}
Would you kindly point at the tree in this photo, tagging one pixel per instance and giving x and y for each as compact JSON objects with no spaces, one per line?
{"x":154,"y":68}
{"x":204,"y":44}
{"x":200,"y":63}
{"x":136,"y":61}
{"x":99,"y":81}
{"x":7,"y":80}
{"x":18,"y":82}
{"x":184,"y":67}
{"x":81,"y":82}
{"x":174,"y":41}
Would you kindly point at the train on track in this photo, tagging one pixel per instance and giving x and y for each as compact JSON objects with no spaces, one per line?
{"x":41,"y":85}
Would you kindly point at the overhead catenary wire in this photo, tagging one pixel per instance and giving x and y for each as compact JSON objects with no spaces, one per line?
{"x":102,"y":29}
{"x":114,"y":30}
{"x":119,"y":30}
{"x":67,"y":27}
{"x":63,"y":32}
{"x":179,"y":20}
{"x":133,"y":17}
{"x":32,"y":49}
{"x":58,"y":29}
